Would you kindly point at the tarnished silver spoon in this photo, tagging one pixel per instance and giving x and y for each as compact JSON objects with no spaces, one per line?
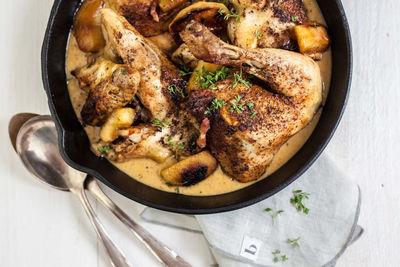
{"x":36,"y":144}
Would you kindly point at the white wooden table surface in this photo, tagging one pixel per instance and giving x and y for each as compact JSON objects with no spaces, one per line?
{"x":43,"y":227}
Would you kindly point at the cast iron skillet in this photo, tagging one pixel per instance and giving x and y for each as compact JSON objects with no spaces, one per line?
{"x":74,"y":144}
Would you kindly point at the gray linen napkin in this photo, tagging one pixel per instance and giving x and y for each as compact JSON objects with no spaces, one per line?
{"x":247,"y":237}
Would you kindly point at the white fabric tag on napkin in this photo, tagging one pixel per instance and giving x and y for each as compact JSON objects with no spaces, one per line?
{"x":250,"y":236}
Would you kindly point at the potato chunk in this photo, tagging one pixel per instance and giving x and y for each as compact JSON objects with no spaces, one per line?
{"x":167,"y":5}
{"x":87,"y":26}
{"x":208,"y":13}
{"x":312,"y":38}
{"x":190,"y":170}
{"x":193,"y":84}
{"x":120,"y":118}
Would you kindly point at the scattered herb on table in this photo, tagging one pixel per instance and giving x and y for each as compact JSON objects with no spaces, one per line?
{"x":294,"y":241}
{"x":274,"y":215}
{"x":278,"y":257}
{"x":297,"y":200}
{"x":160,"y":123}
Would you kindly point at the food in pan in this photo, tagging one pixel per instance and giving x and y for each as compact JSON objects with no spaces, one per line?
{"x":205,"y":96}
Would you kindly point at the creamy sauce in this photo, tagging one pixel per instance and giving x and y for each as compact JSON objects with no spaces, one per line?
{"x":148,"y":171}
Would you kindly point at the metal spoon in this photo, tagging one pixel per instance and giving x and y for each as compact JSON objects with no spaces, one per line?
{"x":37,"y":146}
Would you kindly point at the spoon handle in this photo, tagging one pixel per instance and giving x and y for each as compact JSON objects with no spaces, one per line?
{"x":164,"y":254}
{"x":116,"y":256}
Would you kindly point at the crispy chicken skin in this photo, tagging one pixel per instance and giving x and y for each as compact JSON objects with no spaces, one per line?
{"x":267,"y":23}
{"x":156,"y":71}
{"x":110,"y":86}
{"x":243,"y":145}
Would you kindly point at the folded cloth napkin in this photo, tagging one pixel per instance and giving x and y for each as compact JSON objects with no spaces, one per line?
{"x":250,"y":236}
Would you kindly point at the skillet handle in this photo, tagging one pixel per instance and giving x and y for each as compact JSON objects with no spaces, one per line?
{"x":164,"y":255}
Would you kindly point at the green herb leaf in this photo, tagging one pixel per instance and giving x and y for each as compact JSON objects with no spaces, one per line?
{"x":160,"y":123}
{"x":236,"y":106}
{"x":207,"y":79}
{"x":124,"y":71}
{"x":232,"y":14}
{"x":214,"y":106}
{"x":274,"y":215}
{"x":258,"y":35}
{"x":173,"y":89}
{"x":239,"y":78}
{"x":297,"y":201}
{"x":253,"y":115}
{"x":278,"y":257}
{"x":250,"y":105}
{"x":103,"y":149}
{"x":295,"y":18}
{"x":294,"y":241}
{"x":177,"y":190}
{"x":169,"y":183}
{"x":180,"y":147}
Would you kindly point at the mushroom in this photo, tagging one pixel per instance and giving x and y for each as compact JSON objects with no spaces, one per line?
{"x":210,"y":14}
{"x":87,"y":27}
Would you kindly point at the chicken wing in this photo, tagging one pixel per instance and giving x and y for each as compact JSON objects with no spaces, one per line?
{"x":110,"y":86}
{"x":156,"y":71}
{"x":245,"y":139}
{"x":161,"y":92}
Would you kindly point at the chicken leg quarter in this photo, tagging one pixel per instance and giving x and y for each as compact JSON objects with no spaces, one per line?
{"x":244,"y":143}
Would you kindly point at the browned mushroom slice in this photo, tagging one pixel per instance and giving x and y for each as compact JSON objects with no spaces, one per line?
{"x":167,"y":5}
{"x":87,"y":28}
{"x":190,"y":170}
{"x":208,"y":13}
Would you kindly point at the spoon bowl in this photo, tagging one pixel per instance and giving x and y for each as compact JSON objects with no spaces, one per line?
{"x":36,"y":144}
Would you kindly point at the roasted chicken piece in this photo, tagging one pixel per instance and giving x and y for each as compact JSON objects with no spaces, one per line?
{"x":157,"y":73}
{"x":161,"y":91}
{"x":266,"y":23}
{"x":110,"y":86}
{"x":144,"y":15}
{"x":244,"y":137}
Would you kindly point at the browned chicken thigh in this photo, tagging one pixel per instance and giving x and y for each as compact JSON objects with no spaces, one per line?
{"x":244,"y":143}
{"x":266,"y":23}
